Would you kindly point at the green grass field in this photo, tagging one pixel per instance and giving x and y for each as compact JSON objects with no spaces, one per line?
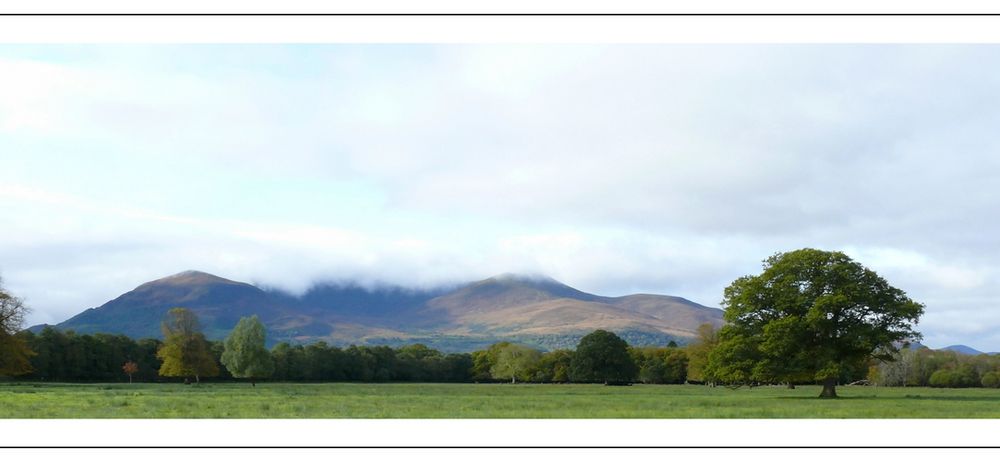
{"x":350,"y":400}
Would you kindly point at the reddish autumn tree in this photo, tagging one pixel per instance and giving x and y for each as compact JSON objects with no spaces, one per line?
{"x":130,"y":368}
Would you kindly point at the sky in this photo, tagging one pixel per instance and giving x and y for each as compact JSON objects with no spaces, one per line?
{"x":616,"y":169}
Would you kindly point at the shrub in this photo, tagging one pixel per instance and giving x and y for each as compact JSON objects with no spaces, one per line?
{"x":941,"y":379}
{"x":966,"y":376}
{"x":991,"y":380}
{"x":963,"y":377}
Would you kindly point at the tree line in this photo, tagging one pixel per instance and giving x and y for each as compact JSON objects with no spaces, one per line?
{"x":925,"y":367}
{"x":185,"y":354}
{"x":66,"y":356}
{"x":811,"y":316}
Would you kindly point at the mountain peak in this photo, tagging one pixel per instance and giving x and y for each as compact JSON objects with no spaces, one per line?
{"x":534,"y":282}
{"x":192,"y":273}
{"x":963,"y":349}
{"x":512,"y":288}
{"x":531,"y":278}
{"x":191,"y":277}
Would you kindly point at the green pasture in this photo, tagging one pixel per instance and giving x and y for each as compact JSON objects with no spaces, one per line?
{"x":397,"y":400}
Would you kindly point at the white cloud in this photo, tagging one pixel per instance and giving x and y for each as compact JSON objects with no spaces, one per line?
{"x":921,"y":270}
{"x":614,"y":168}
{"x":32,"y":92}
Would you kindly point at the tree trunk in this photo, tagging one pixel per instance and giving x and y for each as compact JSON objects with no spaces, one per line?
{"x":513,"y":379}
{"x":791,"y":386}
{"x":253,"y":383}
{"x":130,"y":379}
{"x":829,"y":388}
{"x":197,"y":379}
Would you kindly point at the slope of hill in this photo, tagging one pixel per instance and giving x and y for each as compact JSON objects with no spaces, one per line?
{"x":219,"y":304}
{"x":518,"y":305}
{"x":360,"y":302}
{"x":963,"y":349}
{"x":534,"y":310}
{"x":679,"y":313}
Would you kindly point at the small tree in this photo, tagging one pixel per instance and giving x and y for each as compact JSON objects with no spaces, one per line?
{"x":483,"y":361}
{"x":245,"y":355}
{"x":130,"y":367}
{"x":894,"y":373}
{"x":990,"y":380}
{"x":660,"y":365}
{"x":553,"y":367}
{"x":698,"y":351}
{"x":602,"y":356}
{"x":676,"y":363}
{"x":515,"y":361}
{"x":942,"y":379}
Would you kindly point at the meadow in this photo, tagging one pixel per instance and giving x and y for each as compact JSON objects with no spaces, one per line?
{"x":408,"y":400}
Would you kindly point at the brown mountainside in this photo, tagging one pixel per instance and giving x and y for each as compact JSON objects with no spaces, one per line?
{"x":534,"y":310}
{"x":515,"y":305}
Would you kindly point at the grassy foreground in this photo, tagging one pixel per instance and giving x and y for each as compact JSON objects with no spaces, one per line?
{"x":350,"y":400}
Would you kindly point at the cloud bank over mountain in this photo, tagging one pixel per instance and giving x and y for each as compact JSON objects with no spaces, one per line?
{"x":616,"y":169}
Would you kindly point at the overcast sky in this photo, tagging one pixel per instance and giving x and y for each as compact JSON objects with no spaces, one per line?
{"x":615,"y":169}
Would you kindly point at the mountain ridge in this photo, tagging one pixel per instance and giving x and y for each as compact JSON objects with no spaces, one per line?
{"x":532,"y":309}
{"x":966,"y":350}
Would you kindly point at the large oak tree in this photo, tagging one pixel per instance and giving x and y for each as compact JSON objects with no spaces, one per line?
{"x":810,"y":315}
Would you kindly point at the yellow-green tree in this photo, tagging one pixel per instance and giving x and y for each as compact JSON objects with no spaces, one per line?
{"x":515,"y":362}
{"x":245,"y":355}
{"x":697,"y":353}
{"x":185,"y":351}
{"x":14,"y":351}
{"x":483,"y":361}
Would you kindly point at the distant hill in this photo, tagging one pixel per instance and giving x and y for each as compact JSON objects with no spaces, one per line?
{"x":218,"y":302}
{"x":533,"y":310}
{"x":961,"y":349}
{"x":518,"y":305}
{"x":966,"y":350}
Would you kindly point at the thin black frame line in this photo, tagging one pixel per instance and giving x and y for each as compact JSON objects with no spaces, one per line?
{"x":523,"y":14}
{"x":501,"y":447}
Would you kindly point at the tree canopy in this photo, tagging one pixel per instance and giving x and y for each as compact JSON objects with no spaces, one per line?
{"x":698,"y":352}
{"x":130,"y":368}
{"x":660,"y":365}
{"x":553,"y":366}
{"x":185,"y":352}
{"x":602,"y":356}
{"x":810,"y":315}
{"x":515,"y":362}
{"x":14,"y":352}
{"x":483,"y":361}
{"x":245,"y":355}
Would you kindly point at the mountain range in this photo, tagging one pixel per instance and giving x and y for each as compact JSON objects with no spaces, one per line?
{"x":966,"y":350}
{"x":539,"y":311}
